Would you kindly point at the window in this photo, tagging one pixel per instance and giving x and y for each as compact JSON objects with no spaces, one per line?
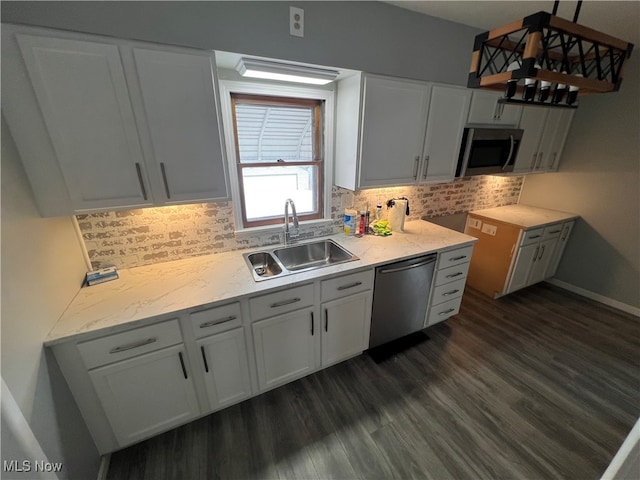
{"x":279,"y":155}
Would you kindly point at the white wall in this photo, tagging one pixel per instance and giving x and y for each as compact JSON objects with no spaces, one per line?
{"x":599,"y":179}
{"x":42,"y":270}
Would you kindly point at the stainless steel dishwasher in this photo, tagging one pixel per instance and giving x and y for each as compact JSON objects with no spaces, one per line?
{"x":400,"y":298}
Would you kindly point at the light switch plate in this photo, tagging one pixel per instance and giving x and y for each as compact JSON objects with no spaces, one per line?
{"x":489,"y":229}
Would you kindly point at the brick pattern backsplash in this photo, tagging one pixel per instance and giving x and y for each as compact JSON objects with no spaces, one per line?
{"x":140,"y":237}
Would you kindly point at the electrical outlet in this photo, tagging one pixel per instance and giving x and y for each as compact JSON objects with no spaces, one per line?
{"x":474,"y":223}
{"x":489,"y":229}
{"x":296,"y":22}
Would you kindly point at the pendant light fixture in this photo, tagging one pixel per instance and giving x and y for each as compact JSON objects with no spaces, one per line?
{"x":550,"y":56}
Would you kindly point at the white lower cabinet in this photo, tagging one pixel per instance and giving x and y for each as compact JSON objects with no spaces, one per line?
{"x":226,"y":369}
{"x":147,"y":394}
{"x":285,"y":347}
{"x":345,"y":328}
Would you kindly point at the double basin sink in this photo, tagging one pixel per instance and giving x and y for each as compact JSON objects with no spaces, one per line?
{"x":280,"y":261}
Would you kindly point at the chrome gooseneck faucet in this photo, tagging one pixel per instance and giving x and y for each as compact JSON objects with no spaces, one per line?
{"x":288,"y":236}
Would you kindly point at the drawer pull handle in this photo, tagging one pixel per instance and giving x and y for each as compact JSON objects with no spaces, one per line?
{"x":285,"y":302}
{"x":446,"y":294}
{"x":556,"y":231}
{"x":446,"y":312}
{"x":217,"y":322}
{"x":131,"y":346}
{"x":457,"y":274}
{"x":454,"y":259}
{"x":534,"y":236}
{"x":351,"y":285}
{"x":204,"y":359}
{"x":184,"y":369}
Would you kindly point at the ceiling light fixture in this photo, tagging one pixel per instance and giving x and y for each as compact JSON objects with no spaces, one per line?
{"x":249,"y":67}
{"x":545,"y":50}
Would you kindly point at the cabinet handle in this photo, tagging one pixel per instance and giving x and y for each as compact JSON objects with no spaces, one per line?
{"x":164,"y":179}
{"x":555,"y":158}
{"x":312,"y":324}
{"x":351,"y":285}
{"x":454,"y":259}
{"x":565,"y":233}
{"x":216,"y":322}
{"x":497,"y":112}
{"x":539,"y":162}
{"x":130,"y":346}
{"x":426,"y":167}
{"x":535,"y":254}
{"x":415,"y":168}
{"x":144,"y":190}
{"x":541,"y":252}
{"x":447,"y":311}
{"x":453,"y":275}
{"x":285,"y":302}
{"x":533,"y":161}
{"x":555,"y":231}
{"x":446,"y":294}
{"x":204,"y":359}
{"x":326,"y":320}
{"x":535,"y":236}
{"x":184,"y":369}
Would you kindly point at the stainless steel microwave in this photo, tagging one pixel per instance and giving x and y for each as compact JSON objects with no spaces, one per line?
{"x":488,"y":151}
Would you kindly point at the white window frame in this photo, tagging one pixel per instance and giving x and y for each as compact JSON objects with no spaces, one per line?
{"x":227,"y":87}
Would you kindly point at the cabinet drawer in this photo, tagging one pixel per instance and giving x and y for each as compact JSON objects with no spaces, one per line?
{"x":216,"y":319}
{"x":532,"y":236}
{"x":552,"y":231}
{"x":448,"y":291}
{"x":281,"y":302}
{"x":441,"y":312}
{"x":120,"y":346}
{"x":451,"y":274}
{"x":455,"y":257}
{"x":347,"y":285}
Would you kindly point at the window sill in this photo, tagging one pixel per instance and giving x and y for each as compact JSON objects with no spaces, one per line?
{"x":271,"y":229}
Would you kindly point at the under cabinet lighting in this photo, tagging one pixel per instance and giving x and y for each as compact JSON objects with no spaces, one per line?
{"x":286,"y":72}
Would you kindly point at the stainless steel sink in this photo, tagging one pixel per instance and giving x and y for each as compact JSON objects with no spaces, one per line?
{"x":291,"y":259}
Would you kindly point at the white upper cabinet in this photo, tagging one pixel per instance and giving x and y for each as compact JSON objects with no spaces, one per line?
{"x":382,"y":124}
{"x":105,"y":124}
{"x":82,"y":92}
{"x":486,"y":110}
{"x":179,"y":101}
{"x":545,"y":132}
{"x":448,"y":111}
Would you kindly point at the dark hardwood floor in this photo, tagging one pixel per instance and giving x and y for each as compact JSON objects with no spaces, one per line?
{"x":541,"y":384}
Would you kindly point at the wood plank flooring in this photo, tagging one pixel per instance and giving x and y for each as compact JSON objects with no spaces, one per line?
{"x":541,"y":384}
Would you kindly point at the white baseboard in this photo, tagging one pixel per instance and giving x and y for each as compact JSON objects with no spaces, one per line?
{"x":596,"y":296}
{"x":104,"y":467}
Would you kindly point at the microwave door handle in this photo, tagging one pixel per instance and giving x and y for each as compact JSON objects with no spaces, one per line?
{"x":510,"y":153}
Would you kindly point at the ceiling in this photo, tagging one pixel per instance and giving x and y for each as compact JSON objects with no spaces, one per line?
{"x":620,"y":19}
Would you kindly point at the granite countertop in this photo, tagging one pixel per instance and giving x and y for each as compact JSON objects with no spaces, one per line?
{"x":142,"y":293}
{"x":525,"y":216}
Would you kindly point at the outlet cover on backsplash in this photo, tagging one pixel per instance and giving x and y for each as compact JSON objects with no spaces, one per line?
{"x":134,"y":238}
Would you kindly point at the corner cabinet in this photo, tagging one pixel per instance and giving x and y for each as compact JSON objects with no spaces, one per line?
{"x":382,"y":124}
{"x":545,"y":133}
{"x":104,"y":124}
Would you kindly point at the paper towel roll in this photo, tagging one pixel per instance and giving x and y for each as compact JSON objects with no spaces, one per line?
{"x":396,"y":215}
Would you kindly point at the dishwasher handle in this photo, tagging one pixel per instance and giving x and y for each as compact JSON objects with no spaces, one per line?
{"x":408,"y":267}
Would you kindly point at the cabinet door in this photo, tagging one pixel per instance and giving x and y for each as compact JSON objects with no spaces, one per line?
{"x":542,"y":261}
{"x":448,"y":110}
{"x":486,"y":110}
{"x":146,"y":395}
{"x":345,"y":327}
{"x":532,"y":122}
{"x":393,"y":128}
{"x":82,"y":93}
{"x":179,"y":98}
{"x":561,"y":123}
{"x":558,"y":250}
{"x":285,"y":347}
{"x":226,"y":370}
{"x":522,"y":267}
